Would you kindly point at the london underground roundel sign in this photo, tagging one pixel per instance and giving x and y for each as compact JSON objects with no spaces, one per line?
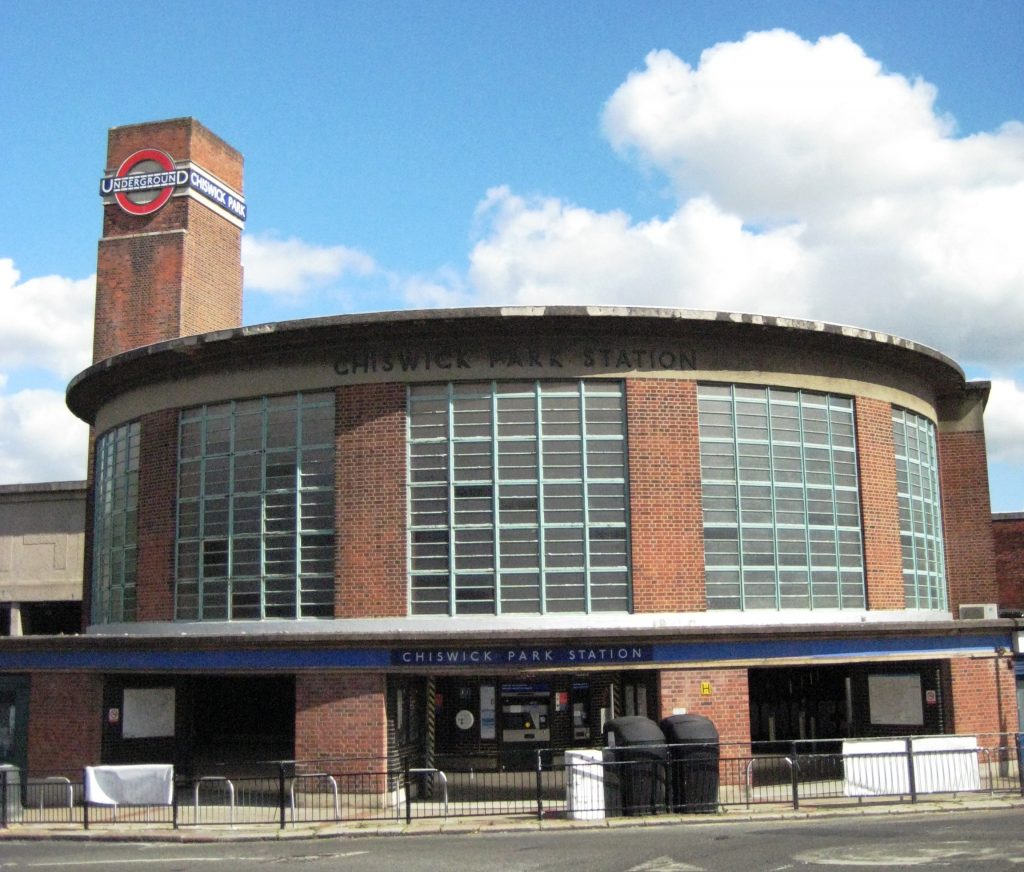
{"x":144,"y":182}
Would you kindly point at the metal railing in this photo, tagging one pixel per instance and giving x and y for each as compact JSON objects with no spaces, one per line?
{"x":622,"y":781}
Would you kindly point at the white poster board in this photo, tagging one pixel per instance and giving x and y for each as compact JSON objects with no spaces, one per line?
{"x":895,"y":699}
{"x":487,"y":711}
{"x":148,"y":712}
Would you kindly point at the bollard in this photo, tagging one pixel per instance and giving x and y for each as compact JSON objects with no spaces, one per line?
{"x":540,"y":788}
{"x":280,"y":791}
{"x":408,"y":792}
{"x":1020,"y":767}
{"x":911,"y":777}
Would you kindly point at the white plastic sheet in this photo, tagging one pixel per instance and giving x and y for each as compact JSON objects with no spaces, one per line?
{"x":148,"y":784}
{"x":942,"y":764}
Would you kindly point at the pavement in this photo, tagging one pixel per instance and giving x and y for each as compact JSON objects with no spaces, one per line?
{"x":455,"y":825}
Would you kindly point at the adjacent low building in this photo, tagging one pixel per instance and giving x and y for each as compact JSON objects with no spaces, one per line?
{"x":473,"y":533}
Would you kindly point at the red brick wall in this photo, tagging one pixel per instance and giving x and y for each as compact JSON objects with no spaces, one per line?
{"x":967,"y":518}
{"x":978,"y":687}
{"x":340,"y":715}
{"x":664,"y":499}
{"x":178,"y":271}
{"x":64,"y":722}
{"x":371,"y":510}
{"x":728,"y":705}
{"x":880,"y":516}
{"x":181,"y":138}
{"x":156,"y":526}
{"x":1008,"y":535}
{"x":212,"y":297}
{"x":138,"y":288}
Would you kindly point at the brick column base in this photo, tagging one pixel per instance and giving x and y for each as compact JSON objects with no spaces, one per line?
{"x":984,"y":698}
{"x":727,"y":706}
{"x":340,"y":715}
{"x":65,"y":719}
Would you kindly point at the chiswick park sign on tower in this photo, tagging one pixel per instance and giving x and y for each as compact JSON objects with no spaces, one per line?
{"x":148,"y":178}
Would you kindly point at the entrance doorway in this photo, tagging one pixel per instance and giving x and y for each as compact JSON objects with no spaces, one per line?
{"x":14,"y":721}
{"x":496,"y":722}
{"x":199,"y":723}
{"x":812,"y":705}
{"x":811,"y":709}
{"x":242,"y":719}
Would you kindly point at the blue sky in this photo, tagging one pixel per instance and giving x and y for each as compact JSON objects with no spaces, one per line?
{"x":414,"y":154}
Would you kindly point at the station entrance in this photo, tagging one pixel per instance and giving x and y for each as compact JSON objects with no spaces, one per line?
{"x":501,"y":722}
{"x":813,"y":708}
{"x":198,"y":722}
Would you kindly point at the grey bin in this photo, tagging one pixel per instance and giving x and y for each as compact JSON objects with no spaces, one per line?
{"x":635,"y":780}
{"x":693,"y":772}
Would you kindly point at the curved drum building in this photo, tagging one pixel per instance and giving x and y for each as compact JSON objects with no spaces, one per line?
{"x":481,"y":532}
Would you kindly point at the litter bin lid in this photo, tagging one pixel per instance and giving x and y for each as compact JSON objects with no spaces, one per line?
{"x":689,"y":728}
{"x":633,"y":730}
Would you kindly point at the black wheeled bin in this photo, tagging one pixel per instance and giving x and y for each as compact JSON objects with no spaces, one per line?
{"x":693,"y":771}
{"x":640,"y":760}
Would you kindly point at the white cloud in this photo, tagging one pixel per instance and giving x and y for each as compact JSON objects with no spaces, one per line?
{"x":40,"y":440}
{"x":45,"y":338}
{"x":1004,"y":421}
{"x":289,"y":267}
{"x":546,"y":251}
{"x":777,"y":126}
{"x":47,"y":321}
{"x":810,"y":183}
{"x":446,"y":289}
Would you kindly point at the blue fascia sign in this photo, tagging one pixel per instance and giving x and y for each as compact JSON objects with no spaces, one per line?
{"x":201,"y":183}
{"x":523,"y":655}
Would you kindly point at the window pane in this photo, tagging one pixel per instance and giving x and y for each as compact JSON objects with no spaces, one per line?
{"x":779,"y":491}
{"x":917,"y":482}
{"x":115,"y":531}
{"x":256,"y":509}
{"x":532,"y":464}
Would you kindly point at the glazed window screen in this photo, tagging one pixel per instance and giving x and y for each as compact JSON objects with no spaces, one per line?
{"x":917,"y":487}
{"x":256,"y":509}
{"x":517,"y":498}
{"x":116,"y":525}
{"x":780,"y":499}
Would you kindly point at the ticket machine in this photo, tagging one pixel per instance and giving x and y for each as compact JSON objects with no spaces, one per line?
{"x":525,"y":713}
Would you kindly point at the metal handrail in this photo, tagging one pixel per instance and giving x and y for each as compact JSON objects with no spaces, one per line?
{"x":988,"y":768}
{"x":58,"y":779}
{"x":334,"y":789}
{"x":443,"y":779}
{"x":749,"y":786}
{"x":231,"y":795}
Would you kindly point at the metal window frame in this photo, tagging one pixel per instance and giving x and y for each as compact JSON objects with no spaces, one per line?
{"x":741,"y":567}
{"x":294,"y":451}
{"x":111,"y":563}
{"x":490,"y":390}
{"x":925,"y":582}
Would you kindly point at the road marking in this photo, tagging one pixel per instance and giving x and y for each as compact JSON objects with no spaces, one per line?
{"x":665,"y":864}
{"x":907,"y":855}
{"x":137,"y":861}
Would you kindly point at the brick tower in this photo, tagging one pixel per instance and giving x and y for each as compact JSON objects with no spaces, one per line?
{"x":169,"y":261}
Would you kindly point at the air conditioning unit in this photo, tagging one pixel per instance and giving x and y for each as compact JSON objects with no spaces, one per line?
{"x":978,"y":611}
